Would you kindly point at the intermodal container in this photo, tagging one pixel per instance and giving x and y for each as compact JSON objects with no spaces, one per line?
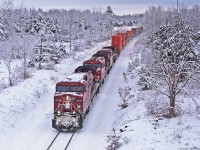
{"x":117,"y":42}
{"x":130,"y":34}
{"x":124,"y":37}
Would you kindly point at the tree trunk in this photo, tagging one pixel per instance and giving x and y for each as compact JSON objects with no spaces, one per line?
{"x":172,"y":91}
{"x":172,"y":105}
{"x":25,"y":69}
{"x":9,"y":75}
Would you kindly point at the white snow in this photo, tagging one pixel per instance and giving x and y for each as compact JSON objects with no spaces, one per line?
{"x":76,"y":77}
{"x":26,"y":111}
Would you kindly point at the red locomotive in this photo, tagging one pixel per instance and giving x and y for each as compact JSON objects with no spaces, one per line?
{"x":73,"y":96}
{"x":72,"y":101}
{"x":100,"y":62}
{"x":108,"y":55}
{"x":95,"y":71}
{"x":115,"y":52}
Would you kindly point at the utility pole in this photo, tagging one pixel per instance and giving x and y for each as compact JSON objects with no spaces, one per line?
{"x":177,"y":5}
{"x":70,"y":42}
{"x":40,"y":54}
{"x":25,"y":69}
{"x":24,"y":57}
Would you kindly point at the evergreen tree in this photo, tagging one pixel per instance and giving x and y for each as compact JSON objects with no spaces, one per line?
{"x":114,"y":141}
{"x":109,"y":11}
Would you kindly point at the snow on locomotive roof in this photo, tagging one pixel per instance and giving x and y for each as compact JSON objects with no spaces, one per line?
{"x":100,"y":59}
{"x":76,"y":77}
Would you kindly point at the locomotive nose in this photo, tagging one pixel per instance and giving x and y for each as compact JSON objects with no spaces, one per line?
{"x":67,"y":105}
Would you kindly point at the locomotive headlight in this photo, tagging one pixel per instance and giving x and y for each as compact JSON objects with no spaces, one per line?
{"x":68,"y":98}
{"x":58,"y":113}
{"x":73,"y":112}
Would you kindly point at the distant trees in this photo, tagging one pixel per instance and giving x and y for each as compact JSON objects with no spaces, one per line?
{"x":175,"y":60}
{"x":191,"y":16}
{"x":86,"y":26}
{"x":155,"y":17}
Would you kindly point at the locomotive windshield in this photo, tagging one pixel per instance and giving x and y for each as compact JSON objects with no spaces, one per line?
{"x":69,"y":88}
{"x":76,"y":89}
{"x":62,"y":89}
{"x":93,"y":65}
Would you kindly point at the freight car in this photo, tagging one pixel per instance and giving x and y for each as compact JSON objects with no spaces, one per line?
{"x":124,"y":37}
{"x":73,"y":96}
{"x":117,"y":42}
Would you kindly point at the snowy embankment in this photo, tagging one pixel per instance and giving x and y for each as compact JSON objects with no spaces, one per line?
{"x":141,"y":130}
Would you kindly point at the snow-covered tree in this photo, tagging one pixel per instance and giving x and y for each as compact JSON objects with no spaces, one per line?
{"x":109,"y":11}
{"x":7,"y":16}
{"x":26,"y":46}
{"x":154,"y":17}
{"x":176,"y":61}
{"x":125,"y":95}
{"x":8,"y":49}
{"x":192,"y":16}
{"x":113,"y":140}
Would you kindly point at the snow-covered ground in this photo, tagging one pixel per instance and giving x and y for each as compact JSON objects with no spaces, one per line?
{"x":26,"y":112}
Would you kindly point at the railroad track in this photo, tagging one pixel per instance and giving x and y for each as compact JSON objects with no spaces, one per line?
{"x":69,"y":141}
{"x":53,"y":141}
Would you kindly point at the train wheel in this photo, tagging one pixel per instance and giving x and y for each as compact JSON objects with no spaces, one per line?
{"x":108,"y":71}
{"x":102,"y":82}
{"x":80,"y":122}
{"x":88,"y":109}
{"x":98,"y":90}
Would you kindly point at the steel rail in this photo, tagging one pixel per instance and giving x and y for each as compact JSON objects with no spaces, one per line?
{"x":69,"y":140}
{"x":53,"y":140}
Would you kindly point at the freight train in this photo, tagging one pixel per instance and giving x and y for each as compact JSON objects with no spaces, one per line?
{"x":74,"y":95}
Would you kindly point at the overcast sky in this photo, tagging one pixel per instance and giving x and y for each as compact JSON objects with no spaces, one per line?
{"x":119,"y":7}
